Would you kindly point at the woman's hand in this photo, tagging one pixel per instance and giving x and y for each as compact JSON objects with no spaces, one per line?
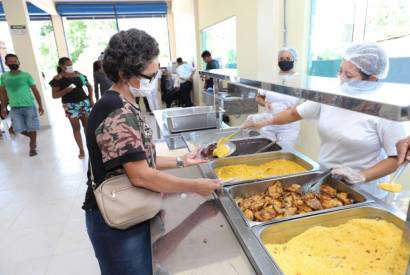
{"x":403,"y":150}
{"x":193,"y":158}
{"x":205,"y":187}
{"x":348,"y":175}
{"x":257,"y":121}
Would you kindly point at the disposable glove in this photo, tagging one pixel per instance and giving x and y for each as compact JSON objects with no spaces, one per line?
{"x":348,"y":175}
{"x":257,"y":120}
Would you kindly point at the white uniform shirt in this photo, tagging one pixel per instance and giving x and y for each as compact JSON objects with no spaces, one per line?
{"x":152,"y":98}
{"x":352,"y":139}
{"x":287,"y":134}
{"x":184,"y":71}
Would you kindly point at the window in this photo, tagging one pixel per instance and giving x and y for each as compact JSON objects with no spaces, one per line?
{"x":388,"y":23}
{"x":220,"y":40}
{"x":336,"y":24}
{"x":157,"y":27}
{"x":45,"y":47}
{"x":86,"y":39}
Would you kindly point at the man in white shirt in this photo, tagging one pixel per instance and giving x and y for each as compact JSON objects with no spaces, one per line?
{"x":185,"y":73}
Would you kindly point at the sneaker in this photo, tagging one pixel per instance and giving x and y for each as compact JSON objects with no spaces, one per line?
{"x":33,"y":152}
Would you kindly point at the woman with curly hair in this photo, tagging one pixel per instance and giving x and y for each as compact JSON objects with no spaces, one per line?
{"x":119,"y":141}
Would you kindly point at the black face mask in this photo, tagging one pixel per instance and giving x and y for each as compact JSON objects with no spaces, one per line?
{"x":285,"y":65}
{"x":14,"y":67}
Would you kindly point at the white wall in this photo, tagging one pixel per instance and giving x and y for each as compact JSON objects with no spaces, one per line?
{"x":185,"y":31}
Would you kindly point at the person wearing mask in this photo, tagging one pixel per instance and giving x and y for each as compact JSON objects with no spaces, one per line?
{"x":210,"y":65}
{"x":101,"y":82}
{"x":288,"y":134}
{"x":17,"y":89}
{"x":68,"y":85}
{"x":360,"y":147}
{"x":286,"y":60}
{"x":185,"y":73}
{"x":120,"y":141}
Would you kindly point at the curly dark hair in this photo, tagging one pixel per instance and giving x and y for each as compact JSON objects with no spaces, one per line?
{"x":129,"y":52}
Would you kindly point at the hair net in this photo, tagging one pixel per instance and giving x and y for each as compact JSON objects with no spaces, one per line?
{"x":370,"y":58}
{"x":292,"y":52}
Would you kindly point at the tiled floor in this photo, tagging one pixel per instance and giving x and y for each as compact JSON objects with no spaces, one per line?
{"x":42,"y":225}
{"x":41,"y":222}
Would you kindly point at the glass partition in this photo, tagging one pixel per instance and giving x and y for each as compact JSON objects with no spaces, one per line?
{"x":220,"y":40}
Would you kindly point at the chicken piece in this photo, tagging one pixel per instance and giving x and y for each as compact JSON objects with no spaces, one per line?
{"x":304,"y":208}
{"x":288,"y":200}
{"x":294,"y":188}
{"x":256,"y":205}
{"x":309,"y":196}
{"x":249,"y":214}
{"x":268,"y":201}
{"x":313,"y":203}
{"x":278,"y":206}
{"x":256,"y":197}
{"x":246,"y":204}
{"x":344,"y":198}
{"x":275,"y":190}
{"x":265,"y":215}
{"x":297,"y":199}
{"x":290,"y":211}
{"x":326,"y":189}
{"x":328,"y":202}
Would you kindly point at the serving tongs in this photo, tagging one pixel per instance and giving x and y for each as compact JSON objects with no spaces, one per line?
{"x":233,"y":134}
{"x":313,"y":186}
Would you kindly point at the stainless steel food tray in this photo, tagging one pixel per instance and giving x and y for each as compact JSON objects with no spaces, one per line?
{"x":205,"y":137}
{"x":252,"y":188}
{"x":283,"y":232}
{"x":193,"y":118}
{"x":257,"y":159}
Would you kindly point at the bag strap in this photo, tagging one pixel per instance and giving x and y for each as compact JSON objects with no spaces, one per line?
{"x":142,"y":134}
{"x":93,"y":184}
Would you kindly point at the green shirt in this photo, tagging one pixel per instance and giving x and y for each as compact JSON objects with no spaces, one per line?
{"x":18,"y":88}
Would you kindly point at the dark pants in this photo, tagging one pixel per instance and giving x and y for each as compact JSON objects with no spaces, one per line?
{"x":185,"y":89}
{"x":120,"y":252}
{"x":171,"y":96}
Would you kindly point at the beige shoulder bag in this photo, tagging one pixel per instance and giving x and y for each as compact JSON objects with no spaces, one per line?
{"x":122,"y":204}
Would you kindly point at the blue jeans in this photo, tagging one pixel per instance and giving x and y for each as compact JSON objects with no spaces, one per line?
{"x":120,"y":252}
{"x":25,"y":119}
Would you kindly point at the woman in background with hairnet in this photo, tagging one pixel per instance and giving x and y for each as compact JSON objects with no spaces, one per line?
{"x":286,"y":135}
{"x":360,"y":147}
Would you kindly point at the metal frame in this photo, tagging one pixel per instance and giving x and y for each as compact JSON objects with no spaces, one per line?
{"x":386,"y":100}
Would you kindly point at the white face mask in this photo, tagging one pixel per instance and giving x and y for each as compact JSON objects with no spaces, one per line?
{"x":69,"y":69}
{"x":145,"y":89}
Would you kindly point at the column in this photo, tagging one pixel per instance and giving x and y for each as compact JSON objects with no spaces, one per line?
{"x":59,"y":35}
{"x":17,"y":17}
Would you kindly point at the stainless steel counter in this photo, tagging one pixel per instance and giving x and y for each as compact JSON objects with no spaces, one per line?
{"x":197,"y":235}
{"x":174,"y":141}
{"x":192,"y":236}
